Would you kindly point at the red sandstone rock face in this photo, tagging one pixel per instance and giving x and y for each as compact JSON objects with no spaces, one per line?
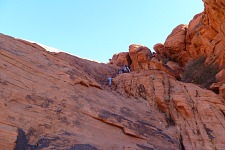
{"x":160,"y":51}
{"x":197,"y":114}
{"x":205,"y":35}
{"x":213,"y":26}
{"x":62,"y":101}
{"x":140,"y":57}
{"x":121,"y":59}
{"x":137,"y":58}
{"x":175,"y":44}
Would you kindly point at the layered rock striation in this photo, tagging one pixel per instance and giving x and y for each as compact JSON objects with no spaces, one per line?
{"x":197,"y":114}
{"x":59,"y":101}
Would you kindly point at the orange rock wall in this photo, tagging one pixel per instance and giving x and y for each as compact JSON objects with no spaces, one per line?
{"x":204,"y":35}
{"x":198,"y":114}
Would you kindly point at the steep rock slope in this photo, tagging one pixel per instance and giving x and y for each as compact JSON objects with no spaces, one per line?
{"x":58,"y":101}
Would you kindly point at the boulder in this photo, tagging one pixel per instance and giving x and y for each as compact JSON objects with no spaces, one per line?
{"x":121,"y":59}
{"x":140,"y":57}
{"x":175,"y":45}
{"x":160,"y":51}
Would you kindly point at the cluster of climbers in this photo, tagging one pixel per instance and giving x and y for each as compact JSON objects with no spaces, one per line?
{"x":125,"y":69}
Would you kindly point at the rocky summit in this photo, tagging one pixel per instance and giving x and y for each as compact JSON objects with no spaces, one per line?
{"x":57,"y":101}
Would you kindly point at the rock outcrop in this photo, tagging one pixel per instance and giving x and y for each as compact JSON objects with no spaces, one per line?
{"x":204,"y":36}
{"x":121,"y":59}
{"x":160,"y":52}
{"x":137,"y":58}
{"x":175,"y":45}
{"x":141,"y":58}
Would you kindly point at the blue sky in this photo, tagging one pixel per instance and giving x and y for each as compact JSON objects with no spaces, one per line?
{"x":95,"y":29}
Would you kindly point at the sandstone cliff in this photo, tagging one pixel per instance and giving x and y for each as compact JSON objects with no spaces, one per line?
{"x":203,"y":36}
{"x":59,"y":101}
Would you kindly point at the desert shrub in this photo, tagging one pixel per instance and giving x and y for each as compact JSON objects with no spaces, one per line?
{"x":197,"y":72}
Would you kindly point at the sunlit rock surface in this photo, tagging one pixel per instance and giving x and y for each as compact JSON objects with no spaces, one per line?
{"x":58,"y":101}
{"x":204,"y":36}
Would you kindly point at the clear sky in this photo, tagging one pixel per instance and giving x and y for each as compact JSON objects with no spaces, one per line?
{"x":95,"y":29}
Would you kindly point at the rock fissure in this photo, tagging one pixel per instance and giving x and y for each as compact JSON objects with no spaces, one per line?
{"x":219,"y":120}
{"x":222,"y":112}
{"x":16,"y":85}
{"x":181,"y":144}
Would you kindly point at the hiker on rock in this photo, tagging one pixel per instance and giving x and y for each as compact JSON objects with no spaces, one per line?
{"x":109,"y":81}
{"x":127,"y":69}
{"x":121,"y":71}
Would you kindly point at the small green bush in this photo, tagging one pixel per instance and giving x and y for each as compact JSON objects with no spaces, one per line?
{"x":197,"y":72}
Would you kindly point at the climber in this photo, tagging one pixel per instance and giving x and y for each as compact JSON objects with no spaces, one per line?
{"x":109,"y":81}
{"x":121,"y":71}
{"x":127,"y":69}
